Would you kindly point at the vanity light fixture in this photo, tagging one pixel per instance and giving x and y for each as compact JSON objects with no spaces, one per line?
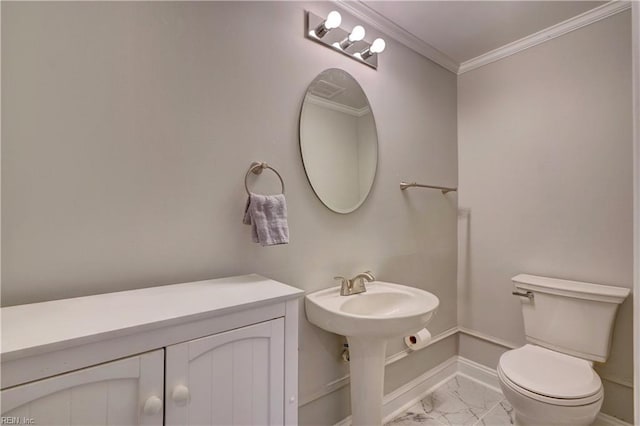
{"x":329,"y":33}
{"x":357,"y":34}
{"x":377,"y":46}
{"x":333,"y":21}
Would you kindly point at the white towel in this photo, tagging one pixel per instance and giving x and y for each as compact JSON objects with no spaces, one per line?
{"x":267,"y":215}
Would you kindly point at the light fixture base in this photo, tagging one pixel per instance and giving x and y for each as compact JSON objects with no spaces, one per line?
{"x":334,"y":37}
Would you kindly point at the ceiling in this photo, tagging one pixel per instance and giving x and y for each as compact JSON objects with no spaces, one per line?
{"x":463,"y":30}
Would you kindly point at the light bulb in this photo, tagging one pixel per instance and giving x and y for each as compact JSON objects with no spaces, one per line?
{"x":333,"y":20}
{"x":357,"y":33}
{"x":377,"y":46}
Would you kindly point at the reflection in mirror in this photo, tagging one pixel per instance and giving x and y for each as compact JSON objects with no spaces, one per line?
{"x":338,"y":140}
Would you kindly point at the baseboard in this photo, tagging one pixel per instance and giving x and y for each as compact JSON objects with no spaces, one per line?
{"x":607,"y":420}
{"x":478,"y":372}
{"x":405,"y":396}
{"x":491,"y":381}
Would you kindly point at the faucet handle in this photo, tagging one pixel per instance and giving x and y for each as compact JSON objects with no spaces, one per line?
{"x":345,"y":285}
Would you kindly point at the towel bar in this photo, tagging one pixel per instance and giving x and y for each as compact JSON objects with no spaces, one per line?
{"x":256,"y":168}
{"x":444,"y":189}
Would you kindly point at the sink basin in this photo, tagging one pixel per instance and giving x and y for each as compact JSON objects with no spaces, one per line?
{"x":368,"y":319}
{"x":385,"y":310}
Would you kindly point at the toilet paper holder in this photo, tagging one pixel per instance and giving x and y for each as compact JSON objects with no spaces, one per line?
{"x":418,"y":340}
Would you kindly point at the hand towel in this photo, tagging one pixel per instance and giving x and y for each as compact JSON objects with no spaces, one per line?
{"x":267,"y":215}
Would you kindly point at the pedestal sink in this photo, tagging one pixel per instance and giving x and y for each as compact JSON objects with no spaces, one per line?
{"x":367,"y":320}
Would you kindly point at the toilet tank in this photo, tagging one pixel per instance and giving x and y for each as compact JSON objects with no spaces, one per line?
{"x":572,"y":317}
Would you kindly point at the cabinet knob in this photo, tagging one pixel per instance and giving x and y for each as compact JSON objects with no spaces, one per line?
{"x":152,"y":406}
{"x":180,"y":395}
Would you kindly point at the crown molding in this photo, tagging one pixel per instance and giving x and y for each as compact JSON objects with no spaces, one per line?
{"x":385,"y":25}
{"x":393,"y":30}
{"x":579,"y":21}
{"x":335,"y":106}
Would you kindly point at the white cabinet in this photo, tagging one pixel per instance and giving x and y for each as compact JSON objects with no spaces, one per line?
{"x":216,"y":352}
{"x":232,"y":378}
{"x":124,"y":392}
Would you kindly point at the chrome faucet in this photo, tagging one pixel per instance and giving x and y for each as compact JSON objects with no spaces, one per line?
{"x":356,"y":284}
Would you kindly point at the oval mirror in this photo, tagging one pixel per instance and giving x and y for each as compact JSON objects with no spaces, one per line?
{"x":338,"y":140}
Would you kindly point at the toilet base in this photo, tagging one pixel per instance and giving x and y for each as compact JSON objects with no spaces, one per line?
{"x":531,"y":412}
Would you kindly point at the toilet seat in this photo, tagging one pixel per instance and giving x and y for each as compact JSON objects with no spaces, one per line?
{"x":550,"y":377}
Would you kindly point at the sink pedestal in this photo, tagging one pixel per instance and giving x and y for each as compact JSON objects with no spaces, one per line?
{"x":366,"y":363}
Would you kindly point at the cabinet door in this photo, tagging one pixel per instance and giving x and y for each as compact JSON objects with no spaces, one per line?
{"x":232,"y":378}
{"x":124,"y":393}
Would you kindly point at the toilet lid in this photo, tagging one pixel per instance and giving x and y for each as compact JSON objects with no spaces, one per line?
{"x":550,"y":373}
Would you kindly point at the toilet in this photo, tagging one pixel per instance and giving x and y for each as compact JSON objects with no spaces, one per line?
{"x":568,"y":326}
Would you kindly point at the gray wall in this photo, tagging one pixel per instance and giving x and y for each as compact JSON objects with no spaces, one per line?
{"x":127,"y":131}
{"x":545,"y":175}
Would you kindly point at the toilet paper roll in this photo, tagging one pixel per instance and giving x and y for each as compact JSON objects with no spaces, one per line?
{"x":418,"y":340}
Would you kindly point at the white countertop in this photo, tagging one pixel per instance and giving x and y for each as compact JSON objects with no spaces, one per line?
{"x":31,"y":328}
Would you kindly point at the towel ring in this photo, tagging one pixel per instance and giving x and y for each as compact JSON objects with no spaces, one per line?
{"x":256,"y":168}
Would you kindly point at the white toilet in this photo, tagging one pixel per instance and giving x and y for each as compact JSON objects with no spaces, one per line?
{"x":568,"y":325}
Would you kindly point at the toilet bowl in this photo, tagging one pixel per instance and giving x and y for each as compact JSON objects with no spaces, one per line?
{"x":551,"y":381}
{"x":548,"y":388}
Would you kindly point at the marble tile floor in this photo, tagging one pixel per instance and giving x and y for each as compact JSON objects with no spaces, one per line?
{"x":460,"y":402}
